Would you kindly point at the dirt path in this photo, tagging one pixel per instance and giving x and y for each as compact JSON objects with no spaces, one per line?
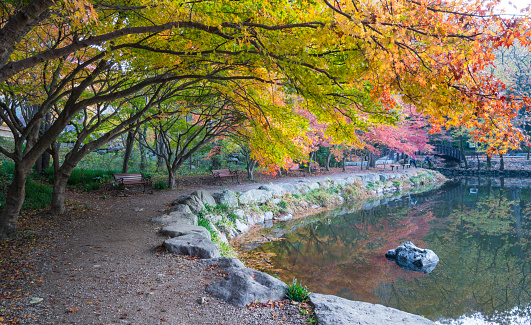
{"x":101,"y":265}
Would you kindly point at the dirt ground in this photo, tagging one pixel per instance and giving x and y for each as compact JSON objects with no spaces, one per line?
{"x":100,"y":263}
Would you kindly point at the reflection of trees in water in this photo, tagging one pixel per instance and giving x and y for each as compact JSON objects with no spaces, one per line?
{"x":482,"y":269}
{"x":482,"y":240}
{"x":337,"y":252}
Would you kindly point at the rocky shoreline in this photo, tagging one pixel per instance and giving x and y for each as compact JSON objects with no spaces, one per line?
{"x":200,"y":224}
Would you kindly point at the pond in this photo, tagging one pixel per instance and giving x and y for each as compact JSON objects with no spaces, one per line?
{"x":479,"y":228}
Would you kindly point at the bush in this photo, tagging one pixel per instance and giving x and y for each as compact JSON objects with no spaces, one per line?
{"x":160,"y":185}
{"x":38,"y":196}
{"x":297,"y":292}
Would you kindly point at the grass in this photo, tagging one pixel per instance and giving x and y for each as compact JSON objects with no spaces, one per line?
{"x":224,"y":249}
{"x":160,"y":185}
{"x":38,"y":194}
{"x":297,"y":292}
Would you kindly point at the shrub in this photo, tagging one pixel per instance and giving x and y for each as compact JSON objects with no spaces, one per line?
{"x":282,"y":204}
{"x":38,"y":195}
{"x":297,"y":292}
{"x":160,"y":185}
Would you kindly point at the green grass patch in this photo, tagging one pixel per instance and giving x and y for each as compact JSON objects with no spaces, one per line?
{"x":160,"y":185}
{"x":224,"y":249}
{"x":38,"y":195}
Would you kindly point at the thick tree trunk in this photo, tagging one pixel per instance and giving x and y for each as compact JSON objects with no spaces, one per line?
{"x":372,"y":161}
{"x":60,"y":181}
{"x":489,"y":162}
{"x":250,"y":168}
{"x":328,"y":160}
{"x":502,"y":164}
{"x":129,"y":142}
{"x":172,"y":182}
{"x":15,"y":195}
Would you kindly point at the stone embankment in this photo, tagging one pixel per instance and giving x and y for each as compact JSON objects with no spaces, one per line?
{"x":200,"y":224}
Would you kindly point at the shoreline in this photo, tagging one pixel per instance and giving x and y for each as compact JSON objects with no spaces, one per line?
{"x":244,"y":211}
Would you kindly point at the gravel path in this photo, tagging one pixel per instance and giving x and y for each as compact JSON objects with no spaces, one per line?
{"x":103,"y":266}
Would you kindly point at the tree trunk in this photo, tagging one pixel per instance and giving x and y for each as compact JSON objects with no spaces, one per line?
{"x":310,"y":163}
{"x":129,"y":143}
{"x":143,"y":162}
{"x":159,"y":149}
{"x":60,"y":182}
{"x":172,"y":182}
{"x":502,"y":164}
{"x":328,"y":160}
{"x":462,"y":147}
{"x":343,"y":163}
{"x":250,"y":168}
{"x":489,"y":162}
{"x":14,"y":199}
{"x":372,"y":161}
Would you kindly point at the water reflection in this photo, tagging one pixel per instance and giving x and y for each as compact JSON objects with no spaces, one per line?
{"x":479,"y":228}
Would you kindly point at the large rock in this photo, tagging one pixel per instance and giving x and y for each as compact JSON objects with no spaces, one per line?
{"x":182,"y":208}
{"x":226,"y":197}
{"x":410,"y":257}
{"x":193,"y":245}
{"x":332,"y":310}
{"x":196,"y":201}
{"x":276,"y":190}
{"x":255,"y":196}
{"x":289,"y":188}
{"x":176,"y":230}
{"x":240,"y":226}
{"x":223,"y":263}
{"x":242,"y":286}
{"x":177,"y":218}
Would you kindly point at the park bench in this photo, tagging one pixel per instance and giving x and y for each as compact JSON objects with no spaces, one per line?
{"x":314,"y":167}
{"x":124,"y":179}
{"x":221,"y":173}
{"x":295,"y":168}
{"x":399,"y":165}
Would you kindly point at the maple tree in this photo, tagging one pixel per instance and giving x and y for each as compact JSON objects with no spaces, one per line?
{"x":347,"y":61}
{"x":191,"y":125}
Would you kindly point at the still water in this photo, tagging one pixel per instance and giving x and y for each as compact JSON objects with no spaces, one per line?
{"x":479,"y":228}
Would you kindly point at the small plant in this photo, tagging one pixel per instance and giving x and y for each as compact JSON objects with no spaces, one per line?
{"x":232,"y":216}
{"x":283,"y":204}
{"x":220,"y":208}
{"x":297,"y":292}
{"x":160,"y":185}
{"x":396,"y":184}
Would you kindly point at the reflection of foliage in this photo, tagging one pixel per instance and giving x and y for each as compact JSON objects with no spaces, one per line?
{"x":483,"y":266}
{"x":482,"y":242}
{"x":490,"y":216}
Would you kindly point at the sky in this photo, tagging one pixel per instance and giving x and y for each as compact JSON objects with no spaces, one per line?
{"x":509,"y":9}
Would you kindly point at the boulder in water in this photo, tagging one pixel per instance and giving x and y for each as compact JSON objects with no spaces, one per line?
{"x":411,"y":258}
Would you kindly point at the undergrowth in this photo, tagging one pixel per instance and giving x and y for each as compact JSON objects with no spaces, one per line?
{"x":224,"y":249}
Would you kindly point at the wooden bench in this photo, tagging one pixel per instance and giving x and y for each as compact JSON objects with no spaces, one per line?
{"x":123,"y":179}
{"x":220,"y":173}
{"x":398,"y":165}
{"x":318,"y":169}
{"x":295,"y":168}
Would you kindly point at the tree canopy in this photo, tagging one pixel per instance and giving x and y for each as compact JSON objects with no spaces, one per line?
{"x":348,"y":64}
